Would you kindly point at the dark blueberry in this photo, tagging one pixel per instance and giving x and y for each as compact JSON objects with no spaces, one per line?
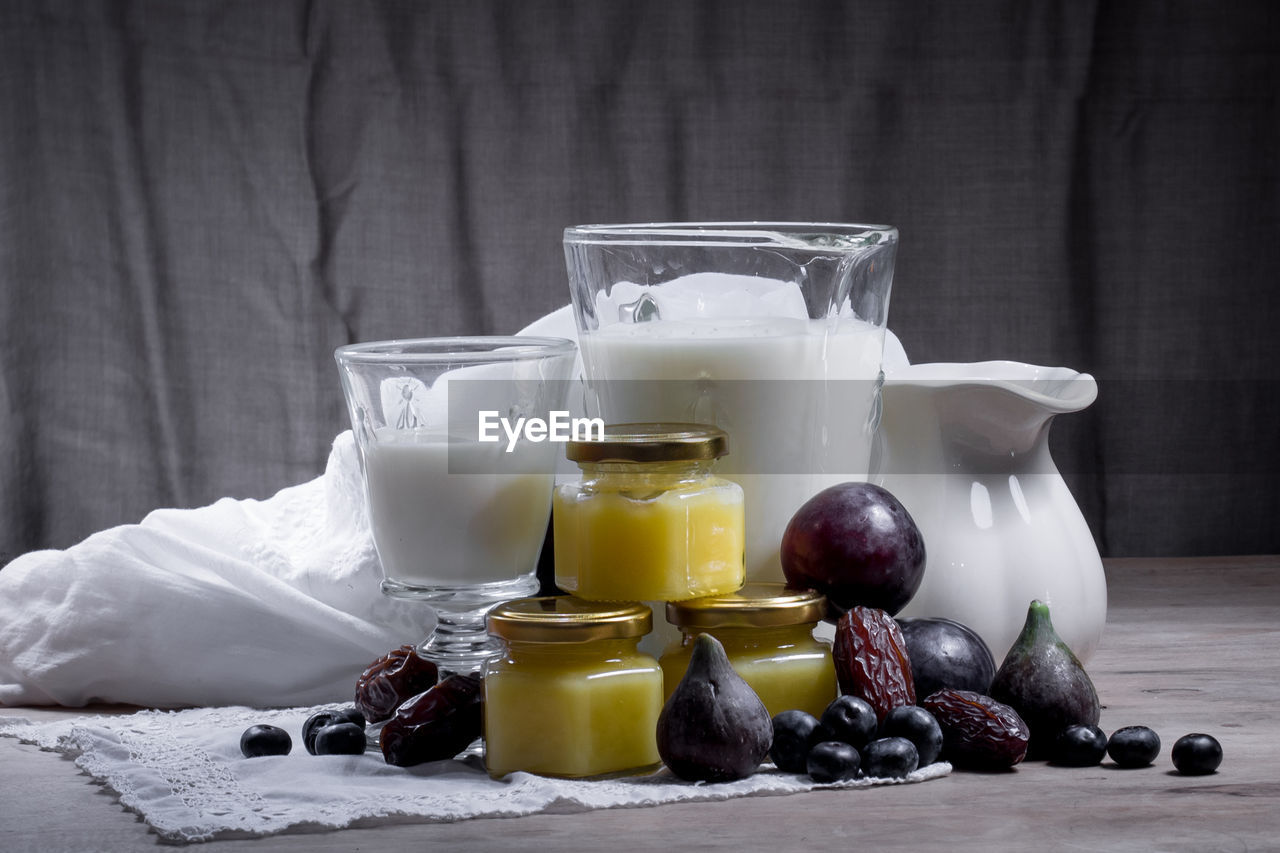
{"x":890,"y":758}
{"x":918,"y":726}
{"x":850,"y":719}
{"x":349,"y":714}
{"x":319,"y":720}
{"x":313,"y":725}
{"x":1133,"y":746}
{"x":794,"y":734}
{"x":1079,"y":746}
{"x":265,"y":740}
{"x":832,"y":761}
{"x":1197,"y":754}
{"x":340,"y":739}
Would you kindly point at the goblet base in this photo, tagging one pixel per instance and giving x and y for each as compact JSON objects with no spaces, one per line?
{"x":460,"y":643}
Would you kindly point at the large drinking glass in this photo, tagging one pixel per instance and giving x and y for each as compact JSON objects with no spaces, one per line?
{"x":773,"y":332}
{"x":458,"y":506}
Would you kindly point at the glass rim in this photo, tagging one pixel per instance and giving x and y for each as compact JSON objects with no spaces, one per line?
{"x":476,"y":349}
{"x":727,"y":233}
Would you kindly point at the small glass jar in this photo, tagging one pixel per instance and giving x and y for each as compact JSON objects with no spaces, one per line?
{"x":767,"y":632}
{"x":649,"y":520}
{"x":571,"y":695}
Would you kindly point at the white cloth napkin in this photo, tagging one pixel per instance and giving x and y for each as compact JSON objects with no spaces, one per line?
{"x":184,"y":774}
{"x":262,"y":603}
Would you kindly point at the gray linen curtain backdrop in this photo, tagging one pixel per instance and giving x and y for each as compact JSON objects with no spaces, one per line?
{"x":200,"y":200}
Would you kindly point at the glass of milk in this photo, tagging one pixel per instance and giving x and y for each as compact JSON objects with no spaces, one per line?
{"x":457,"y":474}
{"x":773,"y":332}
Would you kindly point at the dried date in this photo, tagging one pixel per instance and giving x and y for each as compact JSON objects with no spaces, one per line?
{"x":434,"y":725}
{"x":978,"y":733}
{"x":391,"y":680}
{"x":871,"y":660}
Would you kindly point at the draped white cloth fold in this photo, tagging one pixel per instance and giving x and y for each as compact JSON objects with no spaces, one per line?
{"x":243,"y":602}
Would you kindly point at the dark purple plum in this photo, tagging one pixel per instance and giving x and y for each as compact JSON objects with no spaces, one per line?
{"x":918,"y":726}
{"x":1197,"y":754}
{"x":833,"y":761}
{"x":856,"y":544}
{"x":944,"y":653}
{"x":850,"y":719}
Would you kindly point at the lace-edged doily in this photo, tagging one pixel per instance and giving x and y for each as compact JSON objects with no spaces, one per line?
{"x":182,"y":771}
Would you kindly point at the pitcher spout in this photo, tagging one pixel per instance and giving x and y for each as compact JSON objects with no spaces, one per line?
{"x":1057,"y":390}
{"x":966,"y":413}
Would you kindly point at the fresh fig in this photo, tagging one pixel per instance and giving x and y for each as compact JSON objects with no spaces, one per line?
{"x":714,"y":728}
{"x":1042,"y":679}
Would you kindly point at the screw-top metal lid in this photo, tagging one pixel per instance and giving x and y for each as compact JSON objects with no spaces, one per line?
{"x":652,"y":442}
{"x":565,"y":619}
{"x":756,"y":605}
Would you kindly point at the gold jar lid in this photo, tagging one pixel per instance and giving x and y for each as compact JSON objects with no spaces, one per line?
{"x":565,"y":619}
{"x":652,"y":442}
{"x":756,"y":605}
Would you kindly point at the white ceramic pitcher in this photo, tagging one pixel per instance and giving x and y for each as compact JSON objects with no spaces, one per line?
{"x":965,"y":448}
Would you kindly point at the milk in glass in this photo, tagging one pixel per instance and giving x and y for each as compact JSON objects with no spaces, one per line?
{"x":796,"y":395}
{"x":440,"y":514}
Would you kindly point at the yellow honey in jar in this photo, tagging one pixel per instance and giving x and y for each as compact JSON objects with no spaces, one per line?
{"x":767,"y":632}
{"x":572,"y":695}
{"x":649,"y":520}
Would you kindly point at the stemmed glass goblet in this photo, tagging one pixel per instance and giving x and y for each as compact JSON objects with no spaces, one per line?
{"x":458,"y":508}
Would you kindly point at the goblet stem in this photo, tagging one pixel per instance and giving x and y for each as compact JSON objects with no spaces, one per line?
{"x":460,"y":644}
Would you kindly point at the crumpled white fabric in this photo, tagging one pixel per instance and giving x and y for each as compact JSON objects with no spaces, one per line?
{"x":262,"y":603}
{"x":184,"y":774}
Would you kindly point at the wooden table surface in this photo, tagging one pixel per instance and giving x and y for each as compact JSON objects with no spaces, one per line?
{"x":1191,"y":645}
